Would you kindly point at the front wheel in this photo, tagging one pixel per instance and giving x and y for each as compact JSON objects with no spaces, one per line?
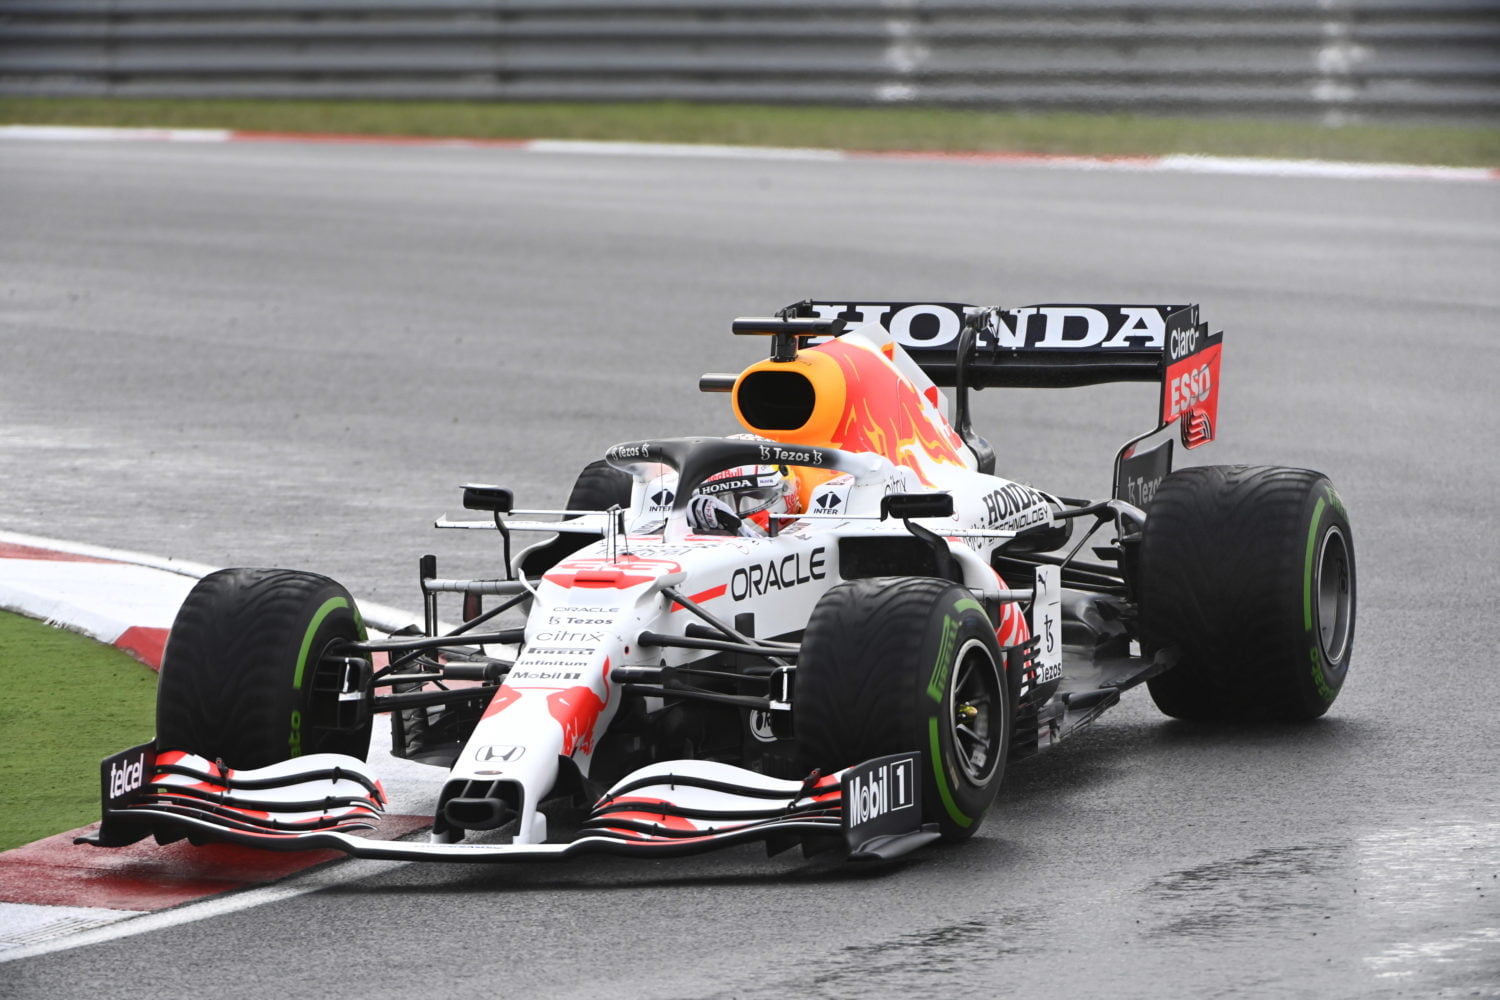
{"x":251,"y":673}
{"x":1249,"y":572}
{"x":896,"y":664}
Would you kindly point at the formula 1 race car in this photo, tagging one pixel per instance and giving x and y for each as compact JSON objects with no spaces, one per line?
{"x":833,"y":631}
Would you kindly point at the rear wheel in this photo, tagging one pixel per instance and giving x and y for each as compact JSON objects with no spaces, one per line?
{"x":247,"y":676}
{"x":896,"y":664}
{"x":1249,"y":571}
{"x":599,"y":486}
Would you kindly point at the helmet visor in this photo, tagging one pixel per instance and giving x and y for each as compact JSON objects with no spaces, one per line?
{"x":754,"y":500}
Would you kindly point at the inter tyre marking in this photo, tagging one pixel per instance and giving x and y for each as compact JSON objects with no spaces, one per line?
{"x":294,"y":738}
{"x":329,"y":606}
{"x":1307,"y":569}
{"x":1315,"y":651}
{"x":1220,"y":551}
{"x":937,"y":690}
{"x":1312,"y":586}
{"x":941,"y":669}
{"x":935,"y":752}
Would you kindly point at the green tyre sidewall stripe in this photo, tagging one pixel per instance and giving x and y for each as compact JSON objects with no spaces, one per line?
{"x":1317,"y":669}
{"x":1327,"y":515}
{"x":952,"y":620}
{"x":239,"y":676}
{"x":968,"y":604}
{"x":1307,"y":569}
{"x":935,"y":749}
{"x":1229,"y":571}
{"x":295,"y":719}
{"x":329,"y":607}
{"x":876,"y":677}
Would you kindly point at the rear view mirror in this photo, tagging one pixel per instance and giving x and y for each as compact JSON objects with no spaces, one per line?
{"x":908,"y":505}
{"x":496,"y":499}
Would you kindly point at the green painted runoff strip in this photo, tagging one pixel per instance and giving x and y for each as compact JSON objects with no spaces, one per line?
{"x":69,"y":702}
{"x":855,"y":128}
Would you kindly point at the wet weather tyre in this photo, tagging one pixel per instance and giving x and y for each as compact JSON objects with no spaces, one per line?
{"x":599,"y":486}
{"x":245,"y":677}
{"x":896,"y":664}
{"x":1249,"y":572}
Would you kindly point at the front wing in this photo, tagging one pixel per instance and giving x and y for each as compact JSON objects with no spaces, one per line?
{"x":872,"y":810}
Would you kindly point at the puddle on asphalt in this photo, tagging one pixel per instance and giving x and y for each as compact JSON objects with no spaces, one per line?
{"x":1399,"y":912}
{"x":1274,"y":885}
{"x":1441,"y":880}
{"x":940,"y":959}
{"x":1418,"y":905}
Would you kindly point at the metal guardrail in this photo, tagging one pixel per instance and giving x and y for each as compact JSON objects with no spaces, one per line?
{"x":1333,"y":59}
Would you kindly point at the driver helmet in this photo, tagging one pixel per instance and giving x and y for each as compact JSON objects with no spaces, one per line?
{"x":743,"y":499}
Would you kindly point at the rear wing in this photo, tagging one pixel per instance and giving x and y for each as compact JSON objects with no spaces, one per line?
{"x":1043,"y":346}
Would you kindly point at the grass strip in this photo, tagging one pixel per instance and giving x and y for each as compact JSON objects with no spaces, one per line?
{"x":69,"y":703}
{"x":857,"y":128}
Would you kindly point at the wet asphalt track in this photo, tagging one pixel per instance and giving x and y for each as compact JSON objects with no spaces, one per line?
{"x":288,"y":354}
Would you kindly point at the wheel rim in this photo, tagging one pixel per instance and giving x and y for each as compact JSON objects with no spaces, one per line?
{"x":977,"y":724}
{"x":1335,"y":591}
{"x":327,"y":726}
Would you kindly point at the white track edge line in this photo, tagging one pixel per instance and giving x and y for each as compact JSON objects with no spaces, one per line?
{"x":1175,"y":163}
{"x":167,"y":564}
{"x":312,"y":880}
{"x":380,"y":616}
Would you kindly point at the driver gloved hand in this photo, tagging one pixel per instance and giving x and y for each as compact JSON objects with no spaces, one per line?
{"x":708,"y":515}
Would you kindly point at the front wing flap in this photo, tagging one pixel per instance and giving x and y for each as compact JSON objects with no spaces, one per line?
{"x":872,"y":811}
